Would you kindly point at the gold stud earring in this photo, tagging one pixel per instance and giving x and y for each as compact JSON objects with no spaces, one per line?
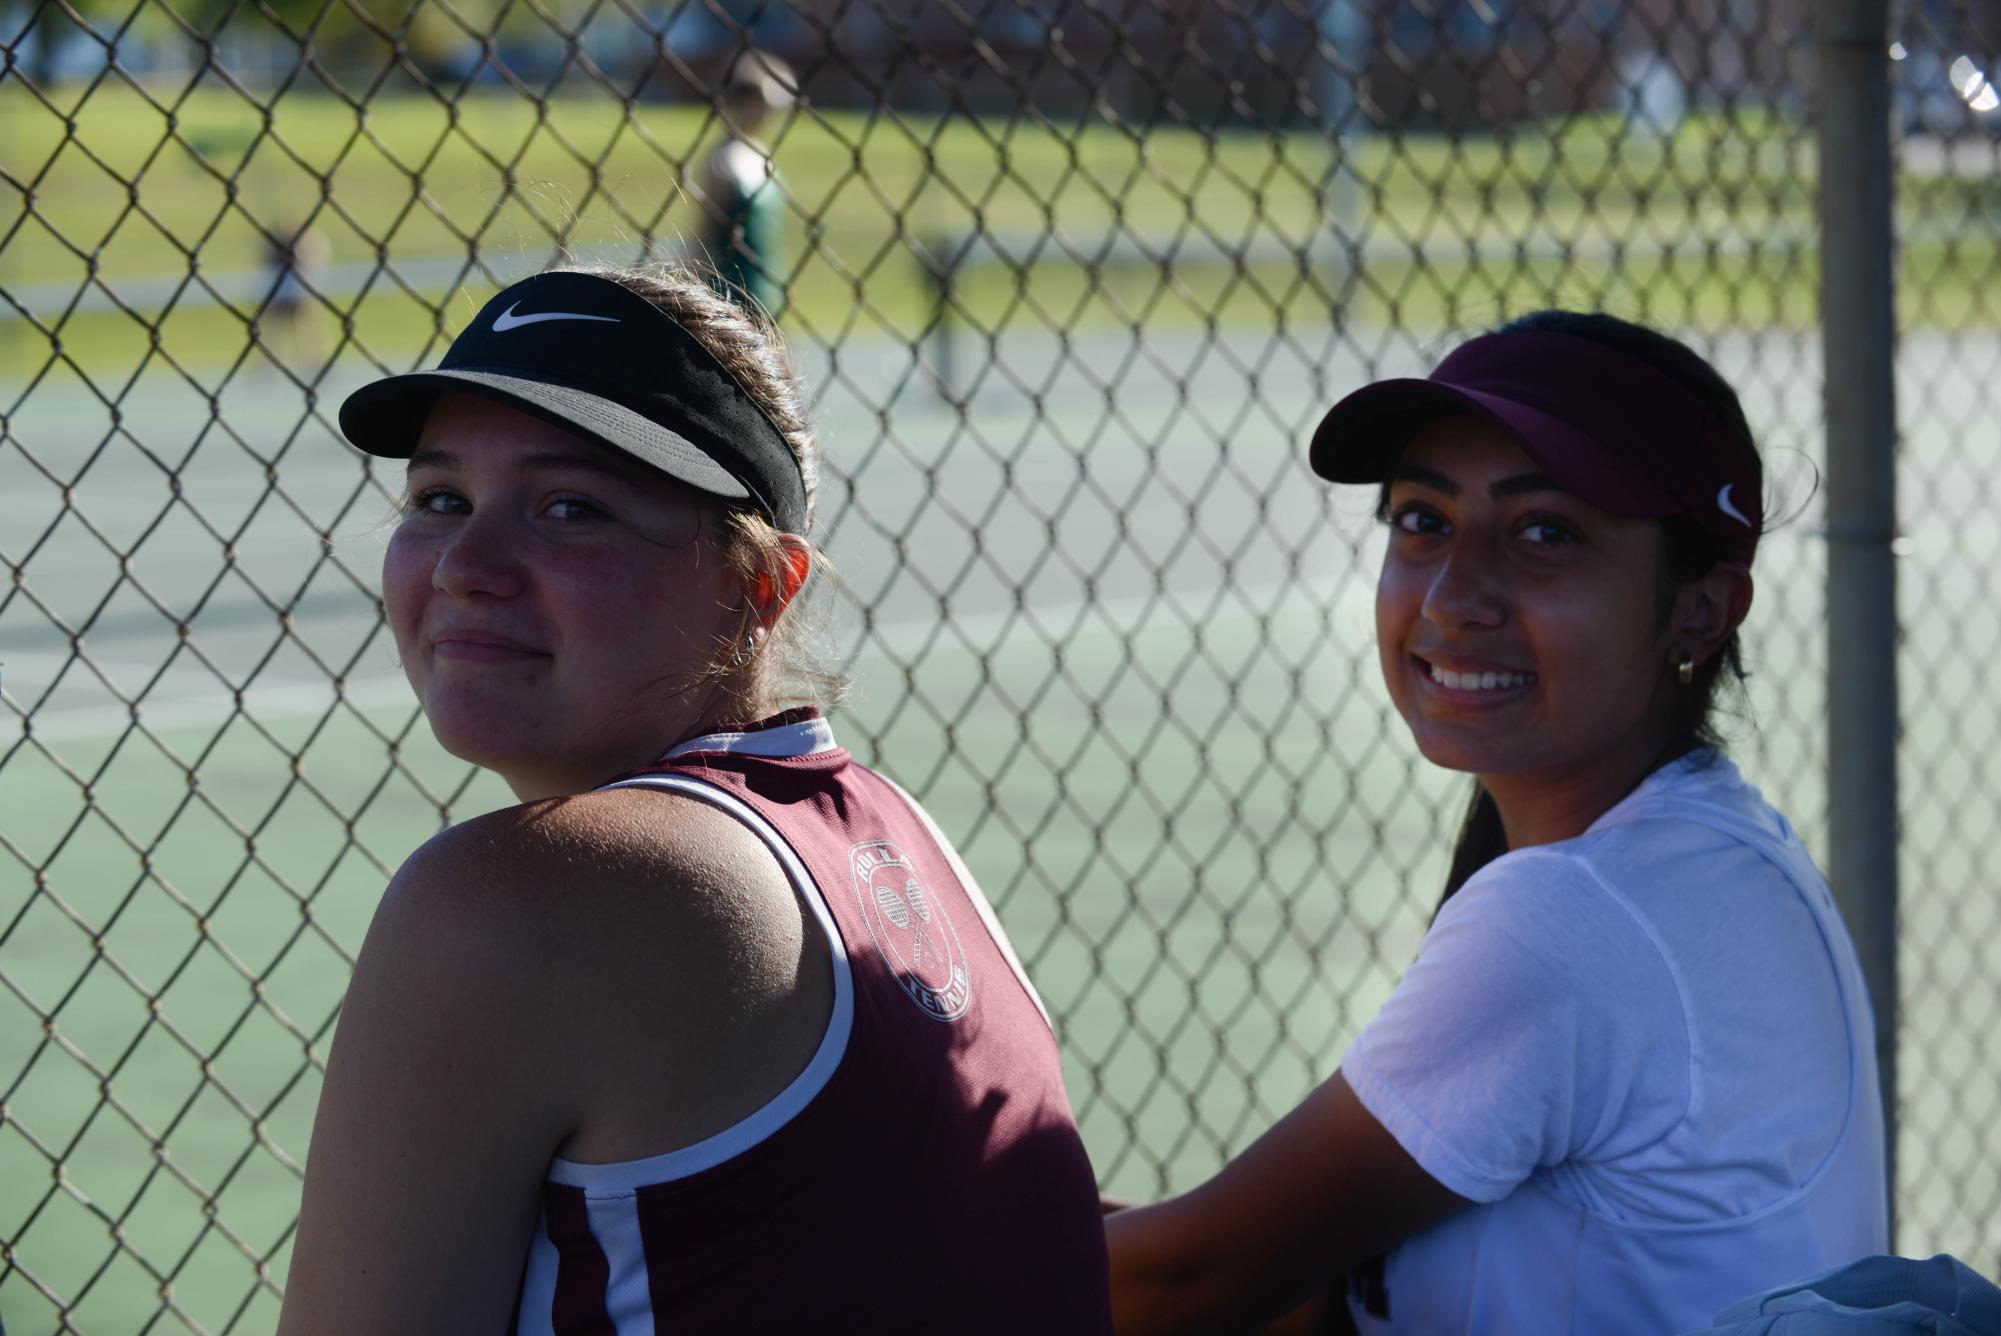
{"x":1684,"y":672}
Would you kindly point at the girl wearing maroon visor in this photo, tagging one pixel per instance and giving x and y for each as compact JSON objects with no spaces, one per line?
{"x":713,"y":1031}
{"x":1630,"y":1077}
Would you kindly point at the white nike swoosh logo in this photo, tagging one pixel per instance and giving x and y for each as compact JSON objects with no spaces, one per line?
{"x":507,"y":320}
{"x":1723,"y":504}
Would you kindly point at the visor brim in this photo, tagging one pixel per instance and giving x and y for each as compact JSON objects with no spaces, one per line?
{"x":386,"y":419}
{"x":1361,"y":436}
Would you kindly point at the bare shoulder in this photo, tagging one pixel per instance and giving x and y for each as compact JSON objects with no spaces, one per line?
{"x":627,"y":907}
{"x":624,"y":974}
{"x":617,"y":923}
{"x":565,"y":870}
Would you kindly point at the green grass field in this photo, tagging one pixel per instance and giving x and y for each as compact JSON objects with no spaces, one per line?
{"x":1707,"y":229}
{"x":1098,"y":617}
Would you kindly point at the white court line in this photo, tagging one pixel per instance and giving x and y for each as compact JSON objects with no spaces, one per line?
{"x":265,"y":703}
{"x":294,"y":698}
{"x":39,"y":669}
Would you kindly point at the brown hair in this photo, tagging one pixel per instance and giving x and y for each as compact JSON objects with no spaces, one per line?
{"x":790,"y":665}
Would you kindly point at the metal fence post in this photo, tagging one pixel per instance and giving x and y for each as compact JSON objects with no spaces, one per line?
{"x":1344,"y":39}
{"x":1858,"y":347}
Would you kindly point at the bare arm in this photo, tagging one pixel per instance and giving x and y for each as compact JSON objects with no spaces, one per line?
{"x":516,"y":964}
{"x":1326,"y":1188}
{"x":437,"y":1120}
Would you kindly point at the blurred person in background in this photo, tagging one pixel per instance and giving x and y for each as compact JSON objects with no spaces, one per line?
{"x":295,"y":278}
{"x":714,"y":1030}
{"x":1631,"y":1076}
{"x":741,"y":199}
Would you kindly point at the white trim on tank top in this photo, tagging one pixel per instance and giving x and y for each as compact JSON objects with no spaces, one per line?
{"x":802,"y":737}
{"x":732,"y":1141}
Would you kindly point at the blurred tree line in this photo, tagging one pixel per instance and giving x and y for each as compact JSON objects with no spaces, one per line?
{"x":350,"y":42}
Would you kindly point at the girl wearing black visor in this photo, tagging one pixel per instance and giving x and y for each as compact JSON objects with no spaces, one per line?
{"x":713,"y":1031}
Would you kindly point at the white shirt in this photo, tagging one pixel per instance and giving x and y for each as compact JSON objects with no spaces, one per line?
{"x":1647,"y":1055}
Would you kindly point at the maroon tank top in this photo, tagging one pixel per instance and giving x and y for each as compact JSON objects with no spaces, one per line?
{"x":924,"y":1173}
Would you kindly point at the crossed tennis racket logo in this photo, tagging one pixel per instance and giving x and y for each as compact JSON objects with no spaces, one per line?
{"x":911,"y":913}
{"x":913,"y":934}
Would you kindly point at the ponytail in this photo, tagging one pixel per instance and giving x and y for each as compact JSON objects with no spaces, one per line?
{"x":1482,"y":839}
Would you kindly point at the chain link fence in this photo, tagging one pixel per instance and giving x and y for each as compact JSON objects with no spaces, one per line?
{"x":1948,"y":160}
{"x":1071,"y":280}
